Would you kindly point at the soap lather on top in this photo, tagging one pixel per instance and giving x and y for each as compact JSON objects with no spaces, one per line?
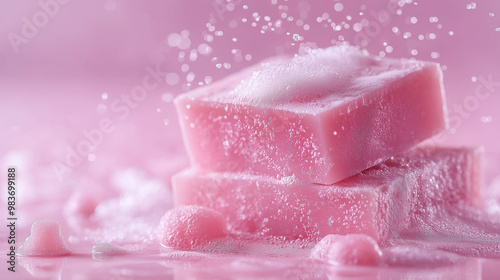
{"x":321,"y":117}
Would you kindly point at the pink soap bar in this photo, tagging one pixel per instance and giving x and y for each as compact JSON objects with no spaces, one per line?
{"x":380,"y":202}
{"x":321,"y":117}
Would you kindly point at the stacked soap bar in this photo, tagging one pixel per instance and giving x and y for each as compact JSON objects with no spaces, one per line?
{"x":321,"y":117}
{"x":381,"y":201}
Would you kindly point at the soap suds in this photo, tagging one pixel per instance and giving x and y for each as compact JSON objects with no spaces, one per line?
{"x":188,"y":227}
{"x":45,"y":240}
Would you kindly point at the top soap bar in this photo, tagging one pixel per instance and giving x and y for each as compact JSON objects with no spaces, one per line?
{"x":321,"y":117}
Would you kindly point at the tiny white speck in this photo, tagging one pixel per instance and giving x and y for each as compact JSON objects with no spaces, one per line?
{"x":91,"y":157}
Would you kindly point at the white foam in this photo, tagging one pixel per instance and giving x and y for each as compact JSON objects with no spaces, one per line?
{"x":304,"y":78}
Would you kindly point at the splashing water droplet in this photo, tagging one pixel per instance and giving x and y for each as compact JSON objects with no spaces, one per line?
{"x":338,"y":7}
{"x":435,"y":55}
{"x":486,"y":119}
{"x":471,"y":6}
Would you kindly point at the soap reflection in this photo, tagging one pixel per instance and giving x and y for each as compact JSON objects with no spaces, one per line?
{"x":468,"y":270}
{"x":43,"y":267}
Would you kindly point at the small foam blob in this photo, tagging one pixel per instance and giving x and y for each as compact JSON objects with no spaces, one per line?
{"x":351,"y":249}
{"x":108,"y":249}
{"x":45,"y":240}
{"x":188,"y":227}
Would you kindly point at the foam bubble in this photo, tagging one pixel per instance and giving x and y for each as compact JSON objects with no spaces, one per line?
{"x":188,"y":227}
{"x":45,"y":240}
{"x":352,"y":249}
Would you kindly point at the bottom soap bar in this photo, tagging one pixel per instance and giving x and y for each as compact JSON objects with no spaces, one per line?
{"x":380,"y":202}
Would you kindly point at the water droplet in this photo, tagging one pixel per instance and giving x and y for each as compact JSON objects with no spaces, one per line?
{"x":174,"y":39}
{"x":414,"y":52}
{"x":497,"y":29}
{"x":190,"y":77}
{"x":471,"y":6}
{"x":473,"y":79}
{"x":357,"y":27}
{"x":335,"y":133}
{"x":91,"y":157}
{"x":435,"y":55}
{"x":413,"y":20}
{"x":208,"y":80}
{"x":491,"y":14}
{"x":486,"y":119}
{"x":451,"y":33}
{"x":338,"y":7}
{"x":389,"y":49}
{"x":204,"y":49}
{"x":104,"y":96}
{"x":193,"y":55}
{"x":191,"y":125}
{"x":165,"y":121}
